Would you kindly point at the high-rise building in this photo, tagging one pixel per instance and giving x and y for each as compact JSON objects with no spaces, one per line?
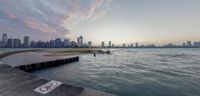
{"x":113,"y":45}
{"x":136,"y":44}
{"x":80,"y":41}
{"x":10,"y":43}
{"x":73,"y":44}
{"x":66,"y":43}
{"x":89,"y":44}
{"x":102,"y":44}
{"x":124,"y":45}
{"x":131,"y":46}
{"x":16,"y":43}
{"x":58,"y":43}
{"x":4,"y":40}
{"x":33,"y":44}
{"x":2,"y":44}
{"x":189,"y":44}
{"x":184,"y":45}
{"x":26,"y":42}
{"x":109,"y":44}
{"x":196,"y":44}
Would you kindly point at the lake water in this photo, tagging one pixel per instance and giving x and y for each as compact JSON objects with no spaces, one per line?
{"x":134,"y":72}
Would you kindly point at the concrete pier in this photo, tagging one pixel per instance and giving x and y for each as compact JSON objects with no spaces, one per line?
{"x":46,"y":64}
{"x":14,"y":82}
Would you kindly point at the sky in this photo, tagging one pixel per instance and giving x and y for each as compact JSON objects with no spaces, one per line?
{"x":119,"y":21}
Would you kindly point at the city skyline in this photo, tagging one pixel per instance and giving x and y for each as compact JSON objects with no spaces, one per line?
{"x":119,"y":21}
{"x":27,"y":42}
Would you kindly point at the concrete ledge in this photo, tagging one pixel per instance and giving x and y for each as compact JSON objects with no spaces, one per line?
{"x":14,"y":82}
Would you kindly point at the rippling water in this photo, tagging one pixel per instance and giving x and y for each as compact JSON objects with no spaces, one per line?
{"x":135,"y":72}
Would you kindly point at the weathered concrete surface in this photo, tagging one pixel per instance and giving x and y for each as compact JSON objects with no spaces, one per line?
{"x":14,"y":82}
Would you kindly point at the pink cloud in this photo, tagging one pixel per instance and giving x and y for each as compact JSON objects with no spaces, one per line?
{"x":36,"y":26}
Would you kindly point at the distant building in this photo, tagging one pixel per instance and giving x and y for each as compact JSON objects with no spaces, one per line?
{"x":89,"y":44}
{"x":58,"y":43}
{"x":52,"y":44}
{"x":131,"y":46}
{"x":189,"y":44}
{"x":16,"y":43}
{"x":103,"y":44}
{"x":109,"y":44}
{"x":4,"y":40}
{"x":26,"y":42}
{"x":151,"y":46}
{"x":2,"y":45}
{"x":170,"y":45}
{"x":33,"y":44}
{"x":10,"y":43}
{"x":113,"y":45}
{"x":196,"y":44}
{"x":66,"y":43}
{"x":80,"y":41}
{"x":184,"y":45}
{"x":73,"y":44}
{"x":124,"y":45}
{"x":136,"y":45}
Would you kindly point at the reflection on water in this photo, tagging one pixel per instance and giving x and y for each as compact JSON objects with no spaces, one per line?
{"x":135,"y":72}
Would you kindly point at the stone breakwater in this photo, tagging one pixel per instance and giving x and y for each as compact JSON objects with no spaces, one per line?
{"x":47,"y":64}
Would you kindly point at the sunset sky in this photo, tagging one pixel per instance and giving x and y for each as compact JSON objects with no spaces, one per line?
{"x":119,"y":21}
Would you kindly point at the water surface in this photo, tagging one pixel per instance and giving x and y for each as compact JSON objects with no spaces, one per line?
{"x":135,"y":72}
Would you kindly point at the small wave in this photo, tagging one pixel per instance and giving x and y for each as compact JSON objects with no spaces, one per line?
{"x":169,"y":73}
{"x":177,"y":55}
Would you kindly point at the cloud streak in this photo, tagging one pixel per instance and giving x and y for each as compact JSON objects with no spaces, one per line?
{"x":48,"y":18}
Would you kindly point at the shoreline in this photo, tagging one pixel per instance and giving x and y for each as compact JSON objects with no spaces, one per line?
{"x":5,"y":54}
{"x":59,"y":52}
{"x":40,"y":65}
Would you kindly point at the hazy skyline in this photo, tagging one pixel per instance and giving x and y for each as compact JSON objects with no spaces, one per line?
{"x":119,"y":21}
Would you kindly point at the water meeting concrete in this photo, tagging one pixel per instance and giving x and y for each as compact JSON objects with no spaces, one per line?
{"x":14,"y":82}
{"x":47,"y":64}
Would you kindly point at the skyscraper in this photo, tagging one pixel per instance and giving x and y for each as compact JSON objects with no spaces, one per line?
{"x":189,"y":44}
{"x":58,"y":43}
{"x":66,"y":43}
{"x":113,"y":45}
{"x":10,"y":43}
{"x":73,"y":44}
{"x":124,"y":45}
{"x":109,"y":44}
{"x":136,"y":44}
{"x":4,"y":40}
{"x":184,"y":45}
{"x":102,"y":44}
{"x":89,"y":44}
{"x":16,"y":43}
{"x":80,"y":41}
{"x":26,"y":42}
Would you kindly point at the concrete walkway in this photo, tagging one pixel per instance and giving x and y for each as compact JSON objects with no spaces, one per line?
{"x":14,"y":82}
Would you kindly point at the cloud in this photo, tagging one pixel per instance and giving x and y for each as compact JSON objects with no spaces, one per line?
{"x":48,"y":17}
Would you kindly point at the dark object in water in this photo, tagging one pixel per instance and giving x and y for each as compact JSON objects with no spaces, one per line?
{"x":108,"y":52}
{"x":94,"y":54}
